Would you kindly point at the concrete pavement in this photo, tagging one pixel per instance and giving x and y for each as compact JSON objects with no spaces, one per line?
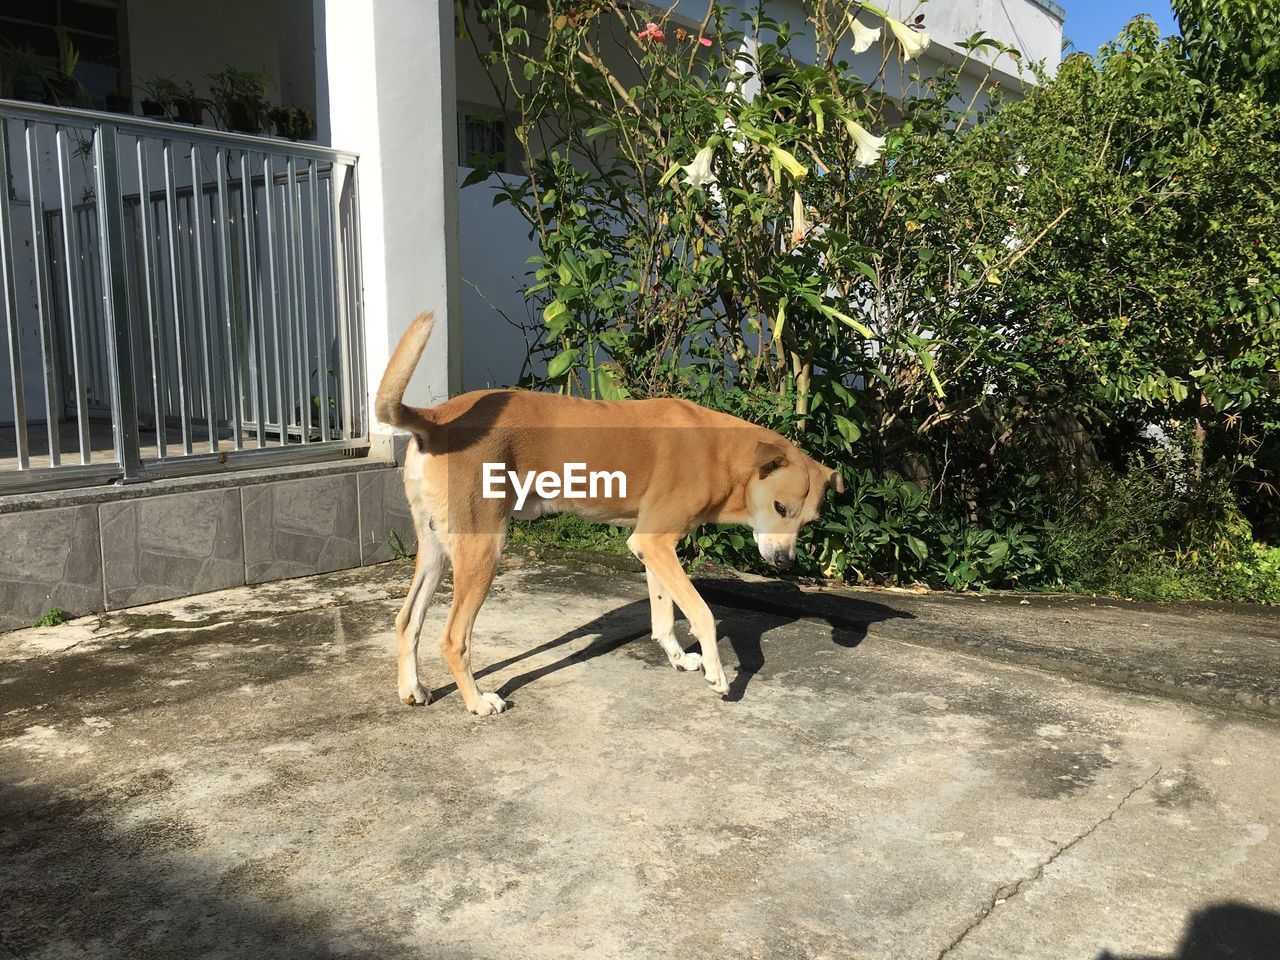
{"x":891,"y":776}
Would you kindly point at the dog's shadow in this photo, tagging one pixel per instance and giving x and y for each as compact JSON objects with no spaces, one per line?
{"x":748,"y":611}
{"x":745,"y":613}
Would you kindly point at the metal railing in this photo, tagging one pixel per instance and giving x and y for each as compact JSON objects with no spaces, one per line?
{"x":175,"y":300}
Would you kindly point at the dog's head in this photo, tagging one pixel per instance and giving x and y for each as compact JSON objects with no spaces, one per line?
{"x":784,"y":492}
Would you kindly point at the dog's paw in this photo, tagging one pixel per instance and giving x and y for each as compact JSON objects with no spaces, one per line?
{"x":415,"y":696}
{"x":687,"y":661}
{"x":488,"y":704}
{"x":719,"y":682}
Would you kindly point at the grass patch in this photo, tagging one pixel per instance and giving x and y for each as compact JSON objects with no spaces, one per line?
{"x":52,"y":618}
{"x":565,"y":531}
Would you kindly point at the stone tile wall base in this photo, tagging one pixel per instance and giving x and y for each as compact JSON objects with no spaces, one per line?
{"x":121,"y":553}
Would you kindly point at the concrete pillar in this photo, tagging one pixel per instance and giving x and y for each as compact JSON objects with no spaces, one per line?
{"x":385,"y":88}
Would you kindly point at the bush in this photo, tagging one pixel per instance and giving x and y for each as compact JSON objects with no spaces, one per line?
{"x":971,"y":307}
{"x":1158,"y":532}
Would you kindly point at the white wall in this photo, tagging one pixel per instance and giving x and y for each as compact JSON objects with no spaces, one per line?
{"x":495,"y":245}
{"x":385,"y":82}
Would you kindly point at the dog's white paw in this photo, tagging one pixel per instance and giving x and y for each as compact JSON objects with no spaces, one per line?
{"x":488,"y":704}
{"x":687,"y":661}
{"x":416,"y":695}
{"x":719,"y":682}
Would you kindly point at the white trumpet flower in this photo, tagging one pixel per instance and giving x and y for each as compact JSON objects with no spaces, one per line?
{"x":698,"y":173}
{"x":914,"y":42}
{"x":863,"y":36}
{"x":868,"y":144}
{"x":799,"y":226}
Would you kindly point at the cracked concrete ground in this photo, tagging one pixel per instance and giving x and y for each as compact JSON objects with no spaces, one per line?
{"x":232,"y":776}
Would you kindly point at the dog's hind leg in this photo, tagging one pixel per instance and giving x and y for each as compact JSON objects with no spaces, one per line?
{"x":658,"y":554}
{"x":428,"y":571}
{"x":664,"y":625}
{"x":475,"y":558}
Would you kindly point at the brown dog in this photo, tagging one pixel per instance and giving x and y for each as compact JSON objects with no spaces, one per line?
{"x":660,"y":466}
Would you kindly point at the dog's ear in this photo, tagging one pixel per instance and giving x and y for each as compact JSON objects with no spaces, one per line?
{"x":769,"y":457}
{"x":834,"y":480}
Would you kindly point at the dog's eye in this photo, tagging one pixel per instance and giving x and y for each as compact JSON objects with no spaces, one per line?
{"x":782,"y":511}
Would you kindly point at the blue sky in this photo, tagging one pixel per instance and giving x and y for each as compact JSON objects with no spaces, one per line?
{"x":1091,"y":23}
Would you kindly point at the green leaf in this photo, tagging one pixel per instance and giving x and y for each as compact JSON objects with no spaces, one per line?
{"x":848,"y":429}
{"x":780,"y":318}
{"x":608,"y":387}
{"x":553,"y":310}
{"x":917,"y":546}
{"x":562,"y":363}
{"x":997,"y":553}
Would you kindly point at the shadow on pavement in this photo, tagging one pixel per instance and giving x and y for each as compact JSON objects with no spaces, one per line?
{"x":782,"y":603}
{"x":81,"y":876}
{"x":1223,"y":931}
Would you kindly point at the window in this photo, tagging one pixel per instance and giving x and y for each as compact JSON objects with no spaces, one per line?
{"x":485,"y":139}
{"x":93,"y":28}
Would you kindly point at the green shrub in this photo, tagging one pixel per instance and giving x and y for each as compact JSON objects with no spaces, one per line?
{"x":52,"y":618}
{"x":1156,"y":531}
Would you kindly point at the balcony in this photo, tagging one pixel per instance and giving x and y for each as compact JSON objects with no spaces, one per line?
{"x":175,"y":300}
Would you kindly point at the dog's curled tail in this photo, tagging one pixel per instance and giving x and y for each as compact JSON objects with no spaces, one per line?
{"x":389,"y":406}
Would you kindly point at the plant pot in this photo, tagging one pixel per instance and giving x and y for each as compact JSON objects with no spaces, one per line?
{"x":189,"y":110}
{"x":31,"y":88}
{"x":240,"y":117}
{"x":68,"y":92}
{"x":118,"y":103}
{"x":152,"y":109}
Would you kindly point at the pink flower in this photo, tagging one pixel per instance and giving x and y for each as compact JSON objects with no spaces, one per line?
{"x":705,"y":41}
{"x":652,"y":33}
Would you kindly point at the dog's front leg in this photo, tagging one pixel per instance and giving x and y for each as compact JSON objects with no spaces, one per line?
{"x":658,"y":554}
{"x":664,"y":625}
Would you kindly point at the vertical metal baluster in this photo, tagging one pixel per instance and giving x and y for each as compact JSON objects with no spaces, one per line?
{"x":298,"y":280}
{"x":322,"y":339}
{"x":268,"y":206}
{"x":175,"y":278}
{"x":91,"y":303}
{"x":45,"y":310}
{"x":357,"y":303}
{"x":11,"y":304}
{"x":71,"y":255}
{"x":228,"y":306}
{"x":289,"y":369}
{"x":149,"y":291}
{"x":338,"y":186}
{"x":115,"y":302}
{"x":249,"y":231}
{"x":198,"y":223}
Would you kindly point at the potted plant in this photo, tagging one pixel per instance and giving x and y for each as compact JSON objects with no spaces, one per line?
{"x":159,"y":94}
{"x":119,"y":101}
{"x":188,"y":107}
{"x":67,"y":91}
{"x":296,"y":123}
{"x":25,"y":74}
{"x":239,"y":99}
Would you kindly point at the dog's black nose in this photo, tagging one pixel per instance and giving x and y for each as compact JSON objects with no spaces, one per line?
{"x":783,"y":560}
